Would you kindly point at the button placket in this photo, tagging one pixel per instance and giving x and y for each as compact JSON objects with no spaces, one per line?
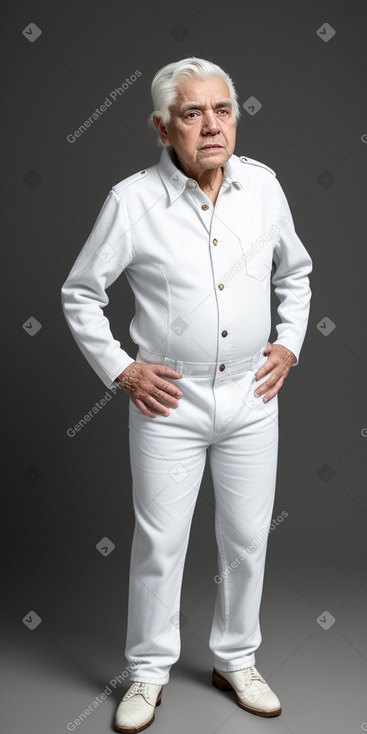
{"x":217,"y":258}
{"x":224,"y":294}
{"x":204,"y":210}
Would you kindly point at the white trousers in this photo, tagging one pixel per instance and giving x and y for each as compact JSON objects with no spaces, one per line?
{"x":219,"y":412}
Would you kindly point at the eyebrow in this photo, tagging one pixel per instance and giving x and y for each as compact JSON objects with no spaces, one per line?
{"x":196,"y":106}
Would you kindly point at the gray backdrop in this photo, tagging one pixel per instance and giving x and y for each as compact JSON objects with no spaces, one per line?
{"x":66,"y":500}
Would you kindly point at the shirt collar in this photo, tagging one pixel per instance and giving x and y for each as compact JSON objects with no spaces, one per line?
{"x":176,"y":181}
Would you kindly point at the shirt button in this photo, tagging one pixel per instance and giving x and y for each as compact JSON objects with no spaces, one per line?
{"x":141,"y":172}
{"x":215,"y":242}
{"x":222,"y":367}
{"x":224,"y":333}
{"x":192,"y":184}
{"x":204,"y":207}
{"x":220,"y":286}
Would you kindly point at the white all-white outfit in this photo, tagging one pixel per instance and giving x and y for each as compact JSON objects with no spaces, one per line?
{"x":201,"y":275}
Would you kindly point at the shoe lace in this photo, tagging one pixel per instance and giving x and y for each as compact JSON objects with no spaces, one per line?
{"x":139,"y":687}
{"x":251,"y":674}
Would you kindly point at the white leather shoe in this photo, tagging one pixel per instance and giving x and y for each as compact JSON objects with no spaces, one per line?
{"x":136,"y":710}
{"x":252,"y":691}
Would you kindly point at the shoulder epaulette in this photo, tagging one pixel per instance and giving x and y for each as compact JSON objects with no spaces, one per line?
{"x":252,"y":162}
{"x":130,"y":180}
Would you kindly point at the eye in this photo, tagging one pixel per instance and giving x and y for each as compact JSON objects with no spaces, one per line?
{"x":191,"y":113}
{"x":224,"y":110}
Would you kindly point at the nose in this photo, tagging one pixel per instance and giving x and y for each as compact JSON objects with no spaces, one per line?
{"x":210,"y":124}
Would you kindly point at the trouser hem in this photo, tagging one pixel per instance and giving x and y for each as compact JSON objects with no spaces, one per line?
{"x":143,"y":678}
{"x":226,"y":667}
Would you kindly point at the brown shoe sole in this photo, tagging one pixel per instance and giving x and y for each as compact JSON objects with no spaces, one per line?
{"x":139,"y":728}
{"x":219,"y":682}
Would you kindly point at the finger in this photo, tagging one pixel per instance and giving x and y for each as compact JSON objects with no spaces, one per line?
{"x":271,"y":393}
{"x":267,"y":385}
{"x":164,"y":397}
{"x":167,"y":387}
{"x":165,"y":371}
{"x":272,"y":363}
{"x":146,"y":409}
{"x":143,"y":408}
{"x":263,"y":370}
{"x":268,"y":347}
{"x":156,"y":407}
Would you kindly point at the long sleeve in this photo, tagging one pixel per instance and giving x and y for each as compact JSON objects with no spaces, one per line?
{"x":291,"y":281}
{"x":106,"y":253}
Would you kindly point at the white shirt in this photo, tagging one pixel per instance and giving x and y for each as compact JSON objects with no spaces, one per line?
{"x":200,"y":273}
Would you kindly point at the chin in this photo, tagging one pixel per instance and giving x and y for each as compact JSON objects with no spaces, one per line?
{"x":214,"y":162}
{"x":220,"y":154}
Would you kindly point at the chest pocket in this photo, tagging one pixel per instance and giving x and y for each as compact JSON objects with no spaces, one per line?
{"x":259,"y":261}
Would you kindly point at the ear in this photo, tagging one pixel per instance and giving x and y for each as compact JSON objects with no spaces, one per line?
{"x":161,"y":129}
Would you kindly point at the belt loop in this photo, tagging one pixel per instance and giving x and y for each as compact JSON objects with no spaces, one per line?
{"x":178,"y":367}
{"x":255,"y":358}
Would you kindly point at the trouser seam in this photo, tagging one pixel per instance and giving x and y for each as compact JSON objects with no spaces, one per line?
{"x":225,"y":580}
{"x":177,"y":601}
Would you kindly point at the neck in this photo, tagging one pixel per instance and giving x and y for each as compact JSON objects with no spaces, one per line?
{"x":210,"y":180}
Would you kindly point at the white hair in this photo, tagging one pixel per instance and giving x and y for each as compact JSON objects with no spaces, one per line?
{"x":166,"y":80}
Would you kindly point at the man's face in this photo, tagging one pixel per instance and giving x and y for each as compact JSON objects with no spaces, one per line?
{"x":202,"y":129}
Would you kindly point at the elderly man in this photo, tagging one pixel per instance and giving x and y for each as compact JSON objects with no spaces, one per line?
{"x":197,"y":235}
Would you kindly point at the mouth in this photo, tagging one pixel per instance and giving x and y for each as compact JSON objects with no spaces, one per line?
{"x":212,"y":147}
